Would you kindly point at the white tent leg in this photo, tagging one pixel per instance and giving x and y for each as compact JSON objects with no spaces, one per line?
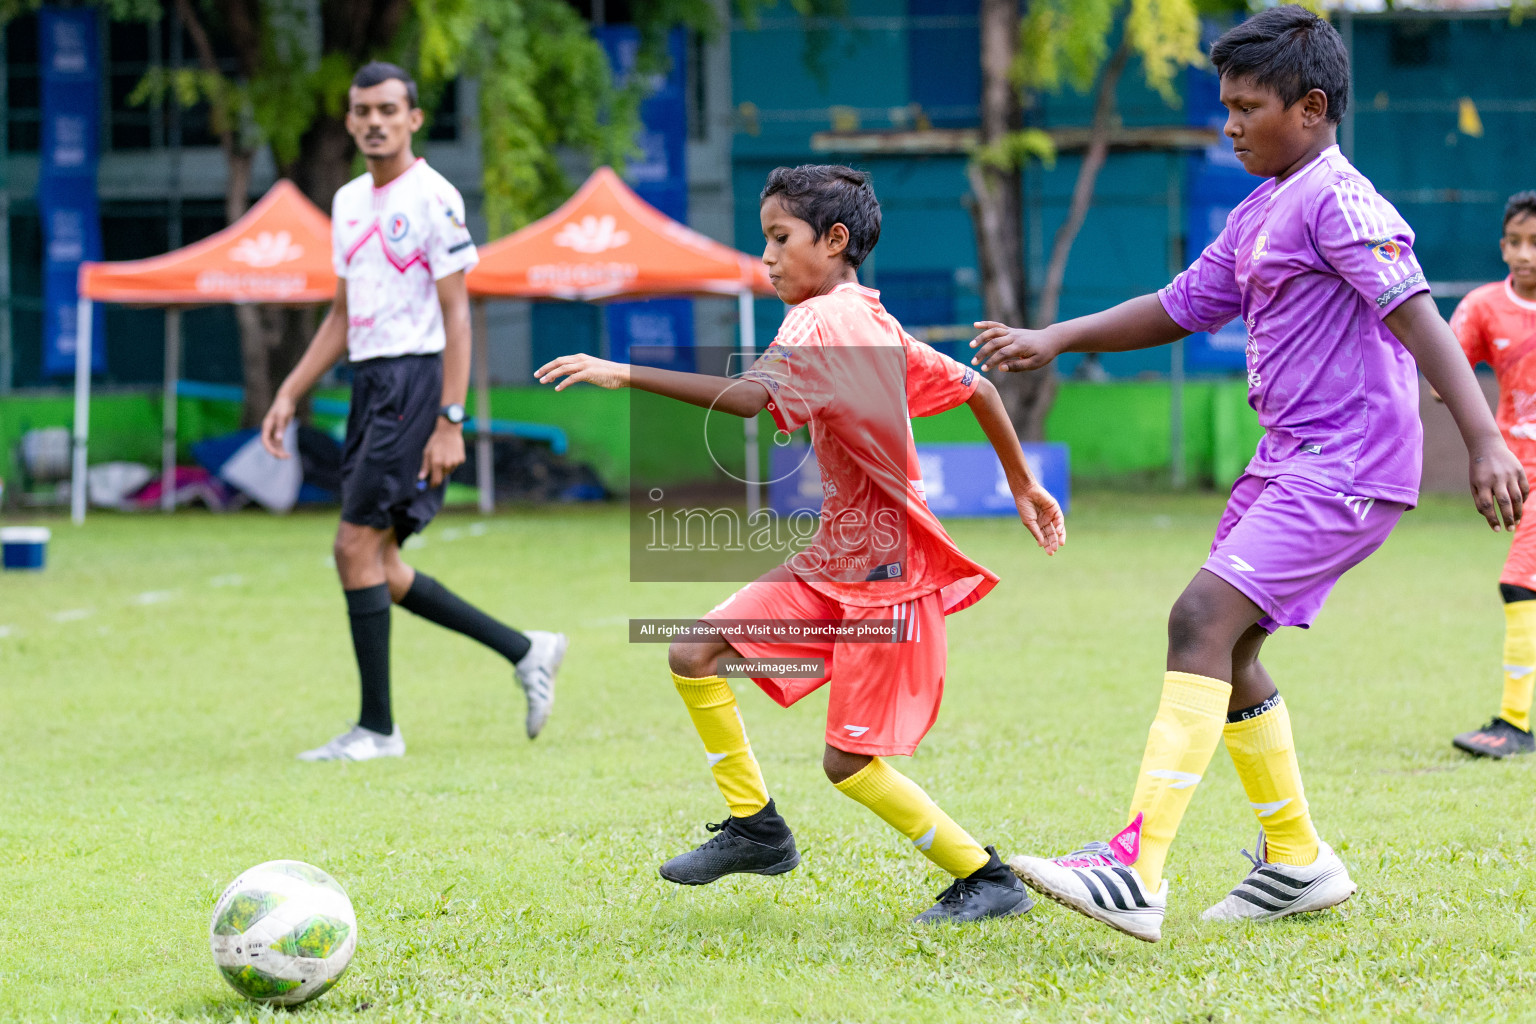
{"x":82,"y":408}
{"x":748,"y":352}
{"x":485,"y":472}
{"x":168,"y":416}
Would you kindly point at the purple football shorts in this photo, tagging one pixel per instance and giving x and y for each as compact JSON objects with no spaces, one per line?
{"x":1284,"y":542}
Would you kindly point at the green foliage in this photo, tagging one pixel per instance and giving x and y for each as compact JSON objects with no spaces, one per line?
{"x":1065,"y":42}
{"x":1017,"y":148}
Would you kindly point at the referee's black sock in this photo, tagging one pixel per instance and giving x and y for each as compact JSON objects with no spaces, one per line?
{"x":368,"y":610}
{"x":436,"y":603}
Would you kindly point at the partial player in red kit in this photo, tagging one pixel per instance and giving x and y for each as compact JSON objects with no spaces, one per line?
{"x":844,"y":367}
{"x":1497,"y":325}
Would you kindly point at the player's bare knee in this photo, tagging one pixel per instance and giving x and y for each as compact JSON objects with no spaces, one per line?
{"x":690,"y":660}
{"x":841,"y":765}
{"x":1190,"y":623}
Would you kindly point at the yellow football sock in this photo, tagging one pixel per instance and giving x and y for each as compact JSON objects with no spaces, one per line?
{"x":1179,"y":747}
{"x":902,"y":804}
{"x":712,"y":706}
{"x":1519,"y":663}
{"x":1265,"y":757}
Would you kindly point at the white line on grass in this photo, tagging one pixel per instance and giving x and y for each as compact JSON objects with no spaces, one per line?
{"x":72,"y":615}
{"x":155,"y":597}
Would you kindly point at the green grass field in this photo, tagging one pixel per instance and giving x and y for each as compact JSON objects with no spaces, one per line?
{"x":157,"y":680}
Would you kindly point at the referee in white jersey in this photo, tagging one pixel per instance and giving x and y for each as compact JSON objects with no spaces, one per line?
{"x":401,"y":316}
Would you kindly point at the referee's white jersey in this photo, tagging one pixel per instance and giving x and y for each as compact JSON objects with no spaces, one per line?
{"x":392,"y":245}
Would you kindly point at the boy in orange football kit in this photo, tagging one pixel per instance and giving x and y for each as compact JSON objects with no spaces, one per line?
{"x":1496,"y":324}
{"x":844,"y":366}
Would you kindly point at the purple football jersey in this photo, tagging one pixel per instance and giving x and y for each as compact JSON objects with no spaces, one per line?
{"x":1312,"y":265}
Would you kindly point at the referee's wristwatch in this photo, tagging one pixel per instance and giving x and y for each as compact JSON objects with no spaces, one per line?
{"x":453,"y":413}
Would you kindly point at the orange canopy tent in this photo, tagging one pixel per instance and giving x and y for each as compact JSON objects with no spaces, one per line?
{"x":605,"y":243}
{"x":278,"y":253}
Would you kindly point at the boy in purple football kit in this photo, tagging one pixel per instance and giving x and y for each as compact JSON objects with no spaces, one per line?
{"x":1321,"y":270}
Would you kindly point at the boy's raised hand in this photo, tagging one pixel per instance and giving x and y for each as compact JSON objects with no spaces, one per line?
{"x":1041,"y":516}
{"x":582,"y":367}
{"x":1000,"y":347}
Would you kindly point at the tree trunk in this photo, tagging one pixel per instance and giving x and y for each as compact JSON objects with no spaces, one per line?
{"x":1104,"y":121}
{"x":998,"y":216}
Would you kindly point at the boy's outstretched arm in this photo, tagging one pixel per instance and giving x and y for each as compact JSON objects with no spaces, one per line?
{"x":1499,"y":487}
{"x":1038,"y":511}
{"x":739,"y":397}
{"x":1141,"y":322}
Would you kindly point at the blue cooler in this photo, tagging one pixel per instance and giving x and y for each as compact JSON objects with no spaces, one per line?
{"x":25,"y":547}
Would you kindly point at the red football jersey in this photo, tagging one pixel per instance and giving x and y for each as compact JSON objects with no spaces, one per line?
{"x":842,"y":364}
{"x":1497,"y":327}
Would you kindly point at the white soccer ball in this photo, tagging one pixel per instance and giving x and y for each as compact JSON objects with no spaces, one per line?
{"x":283,"y":932}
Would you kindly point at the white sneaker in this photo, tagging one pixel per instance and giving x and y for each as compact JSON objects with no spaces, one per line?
{"x":1278,"y":890}
{"x":1098,"y":882}
{"x":536,"y":674}
{"x":358,"y":744}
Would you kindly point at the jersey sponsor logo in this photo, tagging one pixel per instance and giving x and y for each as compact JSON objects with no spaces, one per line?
{"x":398,"y":225}
{"x":266,"y":249}
{"x":856,"y":730}
{"x":1311,"y":449}
{"x":1501,"y":343}
{"x":591,"y":235}
{"x":1260,"y":245}
{"x":1176,"y":780}
{"x":1239,"y":564}
{"x":1386,"y":250}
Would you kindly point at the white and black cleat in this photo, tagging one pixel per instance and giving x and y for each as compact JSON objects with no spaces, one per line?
{"x":358,"y":744}
{"x":1273,"y":891}
{"x":536,"y":675}
{"x":1098,"y":881}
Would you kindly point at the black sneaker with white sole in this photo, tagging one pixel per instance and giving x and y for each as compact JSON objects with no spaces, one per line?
{"x":1496,"y":739}
{"x":760,"y":844}
{"x":989,"y":891}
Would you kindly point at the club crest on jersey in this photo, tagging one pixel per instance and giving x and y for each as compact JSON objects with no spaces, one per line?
{"x":454,"y":218}
{"x":1260,"y":245}
{"x":1386,"y":250}
{"x":397,"y":227}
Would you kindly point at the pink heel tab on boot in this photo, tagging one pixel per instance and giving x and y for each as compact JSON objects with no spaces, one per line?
{"x":1127,"y":842}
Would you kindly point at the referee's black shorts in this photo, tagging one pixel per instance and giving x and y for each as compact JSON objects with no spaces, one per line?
{"x":395,"y":403}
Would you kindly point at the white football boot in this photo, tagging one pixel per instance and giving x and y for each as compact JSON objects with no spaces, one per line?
{"x":536,"y":674}
{"x":1273,"y":891}
{"x":1099,"y":882}
{"x":358,"y":744}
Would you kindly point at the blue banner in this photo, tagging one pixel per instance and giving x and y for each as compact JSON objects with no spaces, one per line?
{"x":958,"y":479}
{"x":1215,"y":184}
{"x":659,"y":175}
{"x":66,"y":182}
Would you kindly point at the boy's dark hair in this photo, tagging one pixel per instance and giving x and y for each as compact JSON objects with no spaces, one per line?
{"x":826,"y":194}
{"x":378,"y":71}
{"x":1290,"y":50}
{"x":1521,"y":204}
